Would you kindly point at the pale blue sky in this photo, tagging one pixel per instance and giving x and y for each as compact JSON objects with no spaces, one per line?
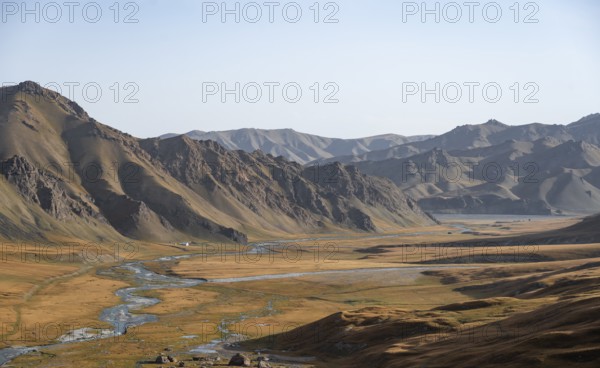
{"x":369,"y":54}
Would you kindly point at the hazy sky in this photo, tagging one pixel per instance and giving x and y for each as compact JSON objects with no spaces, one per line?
{"x":374,"y":58}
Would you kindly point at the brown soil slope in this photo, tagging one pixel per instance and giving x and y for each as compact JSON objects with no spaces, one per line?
{"x":550,"y":320}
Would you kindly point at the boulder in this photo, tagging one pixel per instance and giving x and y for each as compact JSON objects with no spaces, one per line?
{"x":161,"y":359}
{"x":263,"y":364}
{"x":240,"y":360}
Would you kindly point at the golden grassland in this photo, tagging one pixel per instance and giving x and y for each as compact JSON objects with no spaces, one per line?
{"x":74,"y":294}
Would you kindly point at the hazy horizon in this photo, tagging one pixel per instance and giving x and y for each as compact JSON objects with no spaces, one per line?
{"x":437,"y":133}
{"x":153,"y":63}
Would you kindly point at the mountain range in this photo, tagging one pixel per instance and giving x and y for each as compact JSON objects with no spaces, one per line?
{"x":66,"y":175}
{"x":488,"y":134}
{"x":494,"y":168}
{"x":489,"y":168}
{"x":298,"y":147}
{"x":540,"y":177}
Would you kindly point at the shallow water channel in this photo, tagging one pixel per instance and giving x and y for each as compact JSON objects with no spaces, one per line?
{"x":124,"y":316}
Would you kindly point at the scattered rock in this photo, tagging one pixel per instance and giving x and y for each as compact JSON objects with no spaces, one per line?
{"x":263,"y":364}
{"x":161,"y":359}
{"x":240,"y":360}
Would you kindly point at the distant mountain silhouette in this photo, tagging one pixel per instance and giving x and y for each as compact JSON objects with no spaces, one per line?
{"x":298,"y":147}
{"x":484,"y":135}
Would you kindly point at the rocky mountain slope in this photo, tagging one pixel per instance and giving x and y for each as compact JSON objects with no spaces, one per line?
{"x":479,"y":169}
{"x":296,"y":146}
{"x":65,"y":174}
{"x":497,"y":168}
{"x":540,"y":177}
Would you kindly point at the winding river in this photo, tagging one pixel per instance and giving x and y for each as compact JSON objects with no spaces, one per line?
{"x":124,"y":316}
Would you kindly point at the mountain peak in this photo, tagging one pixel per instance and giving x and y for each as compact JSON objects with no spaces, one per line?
{"x":31,"y":85}
{"x":587,"y":120}
{"x":494,"y":122}
{"x":489,"y":123}
{"x":30,"y":88}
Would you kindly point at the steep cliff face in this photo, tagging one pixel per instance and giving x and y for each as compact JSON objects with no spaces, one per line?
{"x":44,"y":189}
{"x":79,"y":171}
{"x":348,"y":181}
{"x":262,"y":183}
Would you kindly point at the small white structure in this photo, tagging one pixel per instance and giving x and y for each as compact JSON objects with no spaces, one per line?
{"x":185,"y":244}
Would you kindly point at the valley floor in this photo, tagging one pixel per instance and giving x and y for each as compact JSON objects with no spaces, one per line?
{"x":412,"y":297}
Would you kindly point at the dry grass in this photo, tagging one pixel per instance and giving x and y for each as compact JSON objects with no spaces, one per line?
{"x":258,"y":309}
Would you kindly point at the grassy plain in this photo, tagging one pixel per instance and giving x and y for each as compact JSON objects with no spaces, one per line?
{"x":73,"y":293}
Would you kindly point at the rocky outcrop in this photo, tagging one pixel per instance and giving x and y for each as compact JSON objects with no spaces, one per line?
{"x":264,"y":183}
{"x":46,"y":190}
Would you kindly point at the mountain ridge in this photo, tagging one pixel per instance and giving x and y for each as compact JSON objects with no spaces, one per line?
{"x":541,"y":177}
{"x":297,"y":146}
{"x":64,"y":174}
{"x":487,"y":134}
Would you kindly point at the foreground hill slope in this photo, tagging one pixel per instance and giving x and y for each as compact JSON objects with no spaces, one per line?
{"x":560,"y":334}
{"x":65,"y":174}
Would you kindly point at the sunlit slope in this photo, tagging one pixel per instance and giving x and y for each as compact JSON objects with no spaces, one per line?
{"x":79,"y":176}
